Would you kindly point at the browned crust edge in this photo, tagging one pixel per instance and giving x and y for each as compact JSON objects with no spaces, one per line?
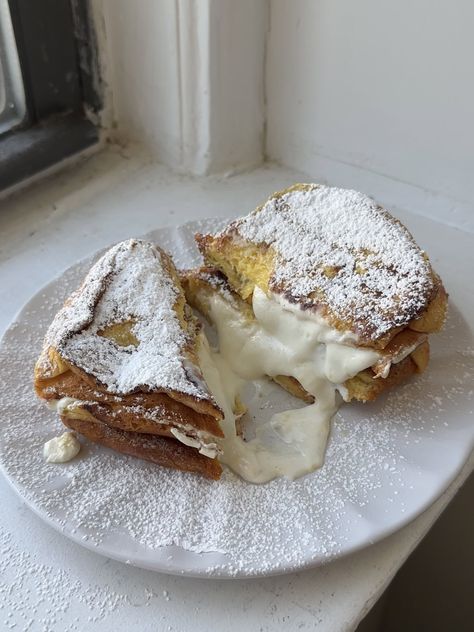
{"x":429,"y":317}
{"x":128,"y":412}
{"x":159,"y":450}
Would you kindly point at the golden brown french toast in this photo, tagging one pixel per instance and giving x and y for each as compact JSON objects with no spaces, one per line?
{"x":159,"y":450}
{"x":335,"y":253}
{"x":123,"y":352}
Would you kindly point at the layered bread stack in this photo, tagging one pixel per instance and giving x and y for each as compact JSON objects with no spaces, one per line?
{"x":120,"y":363}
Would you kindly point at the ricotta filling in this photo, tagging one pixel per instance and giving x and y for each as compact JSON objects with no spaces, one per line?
{"x":283,"y":340}
{"x":207,"y":449}
{"x":61,"y":406}
{"x":61,"y":449}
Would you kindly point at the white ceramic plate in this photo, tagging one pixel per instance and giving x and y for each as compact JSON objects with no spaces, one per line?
{"x":386,"y":462}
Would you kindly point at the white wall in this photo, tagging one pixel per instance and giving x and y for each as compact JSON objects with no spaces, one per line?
{"x":142,"y":65}
{"x":186,"y":78}
{"x":361,"y":90}
{"x":237,"y":61}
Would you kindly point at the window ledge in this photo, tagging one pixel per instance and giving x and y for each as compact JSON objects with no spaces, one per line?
{"x":25,"y":152}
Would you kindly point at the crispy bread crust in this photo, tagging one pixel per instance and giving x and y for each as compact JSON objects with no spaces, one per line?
{"x":159,"y":450}
{"x":365,"y":387}
{"x":152,"y":413}
{"x":78,"y":315}
{"x":72,"y":382}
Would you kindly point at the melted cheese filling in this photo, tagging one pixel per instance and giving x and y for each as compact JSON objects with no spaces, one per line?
{"x":283,"y":340}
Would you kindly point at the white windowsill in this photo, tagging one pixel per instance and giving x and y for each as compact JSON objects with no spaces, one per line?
{"x":110,"y":196}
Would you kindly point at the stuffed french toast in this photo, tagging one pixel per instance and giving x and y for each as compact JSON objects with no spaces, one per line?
{"x":320,"y":290}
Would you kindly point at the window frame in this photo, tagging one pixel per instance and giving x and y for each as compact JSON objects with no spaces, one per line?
{"x":57,"y":50}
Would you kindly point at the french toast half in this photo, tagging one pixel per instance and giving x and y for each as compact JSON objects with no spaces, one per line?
{"x":338,"y":256}
{"x":120,"y":362}
{"x":335,"y":253}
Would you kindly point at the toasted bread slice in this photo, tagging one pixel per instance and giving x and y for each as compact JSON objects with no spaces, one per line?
{"x":366,"y":387}
{"x":159,"y":450}
{"x":406,"y":354}
{"x":124,"y":351}
{"x":336,"y":253}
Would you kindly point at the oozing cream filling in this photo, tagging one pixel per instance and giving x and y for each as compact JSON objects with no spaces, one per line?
{"x":282,"y":340}
{"x":207,"y":449}
{"x":64,"y":404}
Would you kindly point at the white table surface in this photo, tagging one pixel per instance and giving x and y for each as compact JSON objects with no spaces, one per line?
{"x":49,"y":583}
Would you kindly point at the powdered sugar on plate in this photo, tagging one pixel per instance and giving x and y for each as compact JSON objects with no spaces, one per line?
{"x":337,"y":248}
{"x":385,"y":463}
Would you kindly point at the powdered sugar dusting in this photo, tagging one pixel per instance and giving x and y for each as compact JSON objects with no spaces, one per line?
{"x":378,"y":277}
{"x":129,"y":283}
{"x":384,"y":463}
